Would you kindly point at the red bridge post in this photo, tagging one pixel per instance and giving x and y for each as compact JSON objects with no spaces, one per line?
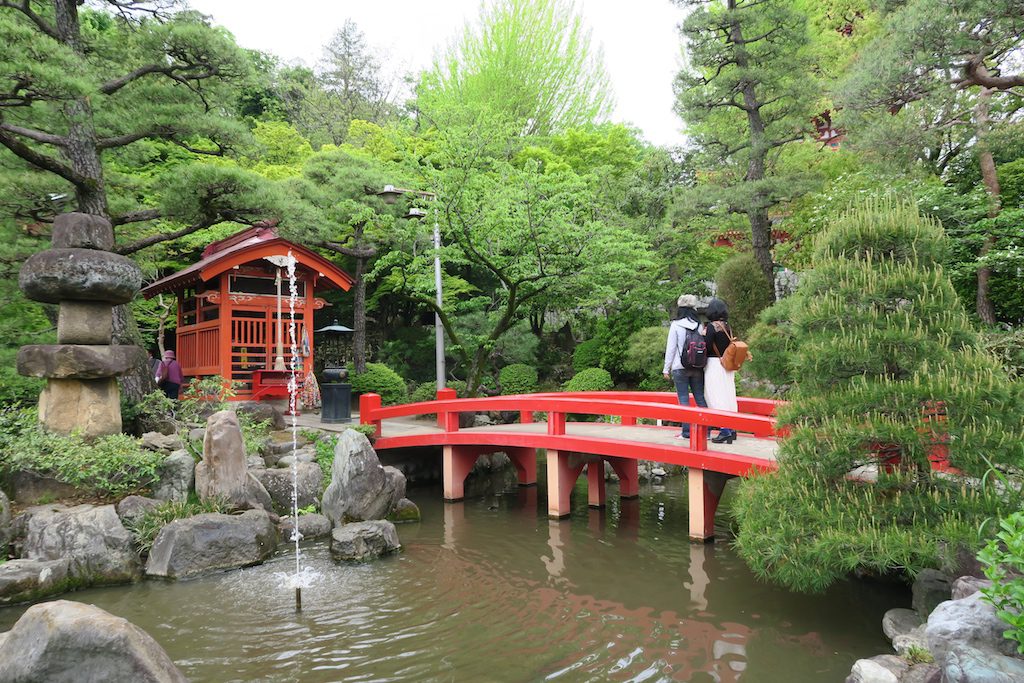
{"x":368,"y":405}
{"x":525,"y":460}
{"x":446,"y":420}
{"x":458,"y":462}
{"x":563,"y":471}
{"x":704,"y":494}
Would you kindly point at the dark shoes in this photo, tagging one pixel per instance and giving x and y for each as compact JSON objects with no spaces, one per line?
{"x":725,"y":436}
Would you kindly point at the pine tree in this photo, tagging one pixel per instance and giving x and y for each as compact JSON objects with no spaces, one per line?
{"x":889,"y":376}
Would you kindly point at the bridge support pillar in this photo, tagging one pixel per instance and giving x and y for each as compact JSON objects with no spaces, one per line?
{"x":595,"y":484}
{"x":705,"y":491}
{"x":628,"y":471}
{"x":458,"y":462}
{"x":525,"y":460}
{"x":563,"y":471}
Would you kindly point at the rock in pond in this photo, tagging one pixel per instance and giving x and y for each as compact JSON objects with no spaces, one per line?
{"x":360,"y":488}
{"x":69,"y":642}
{"x":900,"y":621}
{"x":100,"y":551}
{"x":211,"y":542}
{"x":278,"y":483}
{"x":30,"y":580}
{"x":361,"y":541}
{"x":224,"y":473}
{"x":966,"y":664}
{"x":405,"y":511}
{"x":311,"y":526}
{"x":930,"y":588}
{"x":880,"y":669}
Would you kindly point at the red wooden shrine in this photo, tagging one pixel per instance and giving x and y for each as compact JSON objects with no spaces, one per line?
{"x":228,"y":310}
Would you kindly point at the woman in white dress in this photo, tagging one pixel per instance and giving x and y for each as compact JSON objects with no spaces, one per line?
{"x":719,"y":383}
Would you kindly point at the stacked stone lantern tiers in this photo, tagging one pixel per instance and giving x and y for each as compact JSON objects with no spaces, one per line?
{"x":82,"y":276}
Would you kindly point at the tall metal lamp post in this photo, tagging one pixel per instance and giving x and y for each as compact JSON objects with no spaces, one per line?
{"x":390,"y":195}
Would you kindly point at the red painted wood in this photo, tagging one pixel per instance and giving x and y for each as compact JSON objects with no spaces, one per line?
{"x":556,"y":423}
{"x":595,"y":484}
{"x":369,"y":404}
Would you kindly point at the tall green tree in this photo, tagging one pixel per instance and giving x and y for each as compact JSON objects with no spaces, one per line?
{"x":746,"y":92}
{"x":530,"y":60}
{"x":959,"y":62}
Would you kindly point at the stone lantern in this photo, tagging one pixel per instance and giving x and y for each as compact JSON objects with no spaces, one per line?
{"x":86,"y":280}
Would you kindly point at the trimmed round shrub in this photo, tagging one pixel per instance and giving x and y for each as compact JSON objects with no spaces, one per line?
{"x":772,"y":344}
{"x":587,"y":354}
{"x":591,"y":379}
{"x":379,"y":379}
{"x":742,"y":286}
{"x":518,"y":378}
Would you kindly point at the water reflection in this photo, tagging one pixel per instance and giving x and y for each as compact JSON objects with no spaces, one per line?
{"x":492,"y":590}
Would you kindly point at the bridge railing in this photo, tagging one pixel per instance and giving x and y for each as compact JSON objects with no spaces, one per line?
{"x":755,"y":416}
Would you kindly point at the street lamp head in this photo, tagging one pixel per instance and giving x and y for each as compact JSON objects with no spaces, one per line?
{"x":390,"y":194}
{"x":415,"y":213}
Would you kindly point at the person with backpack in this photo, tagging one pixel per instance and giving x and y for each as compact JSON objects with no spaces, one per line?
{"x":169,"y":376}
{"x":686,"y":356}
{"x":720,"y":383}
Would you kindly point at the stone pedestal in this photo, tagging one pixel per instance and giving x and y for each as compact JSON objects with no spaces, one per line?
{"x":81,"y":275}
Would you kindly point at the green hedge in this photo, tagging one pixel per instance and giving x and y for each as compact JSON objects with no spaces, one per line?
{"x":587,"y":354}
{"x":380,"y":379}
{"x":590,"y":379}
{"x":742,"y":286}
{"x":518,"y":378}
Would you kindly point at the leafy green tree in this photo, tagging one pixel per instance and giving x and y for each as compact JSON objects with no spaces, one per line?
{"x":888,"y":373}
{"x":739,"y":287}
{"x":529,"y":60}
{"x":959,"y":59}
{"x":746,"y":93}
{"x":333,"y":210}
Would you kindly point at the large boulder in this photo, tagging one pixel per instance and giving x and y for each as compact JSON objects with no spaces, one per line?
{"x":28,"y":488}
{"x":970,"y":622}
{"x":100,"y":551}
{"x":64,"y":641}
{"x":211,"y":542}
{"x":224,"y":473}
{"x":966,"y":664}
{"x":363,"y":541}
{"x":278,"y":483}
{"x":900,"y":621}
{"x":360,"y":488}
{"x":57,"y":275}
{"x":31,"y":580}
{"x":78,"y":361}
{"x":261,"y":411}
{"x":176,"y":476}
{"x":161,"y":443}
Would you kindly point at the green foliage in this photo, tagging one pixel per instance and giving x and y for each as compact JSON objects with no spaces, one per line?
{"x":110,"y":466}
{"x":325,"y":444}
{"x":772,"y":344}
{"x":587,"y":354}
{"x":147,"y":527}
{"x":886,"y":368}
{"x":1003,"y":561}
{"x":1011,"y":184}
{"x":530,"y":61}
{"x":741,"y":286}
{"x":1008,"y":348}
{"x":644,"y":355}
{"x":379,"y":379}
{"x":590,"y":379}
{"x":518,"y":379}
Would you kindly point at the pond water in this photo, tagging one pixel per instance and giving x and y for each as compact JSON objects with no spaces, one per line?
{"x":491,"y":590}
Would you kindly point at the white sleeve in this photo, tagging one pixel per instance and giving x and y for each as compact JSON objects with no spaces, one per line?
{"x":670,"y":349}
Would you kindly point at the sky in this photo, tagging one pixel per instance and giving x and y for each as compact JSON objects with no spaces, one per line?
{"x":640,"y":40}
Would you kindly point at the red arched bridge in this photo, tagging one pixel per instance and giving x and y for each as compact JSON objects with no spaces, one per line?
{"x":571,"y":443}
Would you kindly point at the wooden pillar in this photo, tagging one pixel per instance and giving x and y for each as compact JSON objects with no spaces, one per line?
{"x":525,"y":460}
{"x":705,"y":491}
{"x":628,"y":421}
{"x":562,"y":475}
{"x":458,"y":462}
{"x":628,"y":472}
{"x":525,"y":416}
{"x":595,"y":484}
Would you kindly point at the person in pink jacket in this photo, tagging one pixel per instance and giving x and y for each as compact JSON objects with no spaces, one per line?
{"x":168,"y":375}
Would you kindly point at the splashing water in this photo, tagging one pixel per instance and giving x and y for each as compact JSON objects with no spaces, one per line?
{"x":302,"y":577}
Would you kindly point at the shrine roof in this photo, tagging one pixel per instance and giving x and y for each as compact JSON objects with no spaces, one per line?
{"x":251,"y":244}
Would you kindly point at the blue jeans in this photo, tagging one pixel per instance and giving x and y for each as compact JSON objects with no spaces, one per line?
{"x":685,"y":385}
